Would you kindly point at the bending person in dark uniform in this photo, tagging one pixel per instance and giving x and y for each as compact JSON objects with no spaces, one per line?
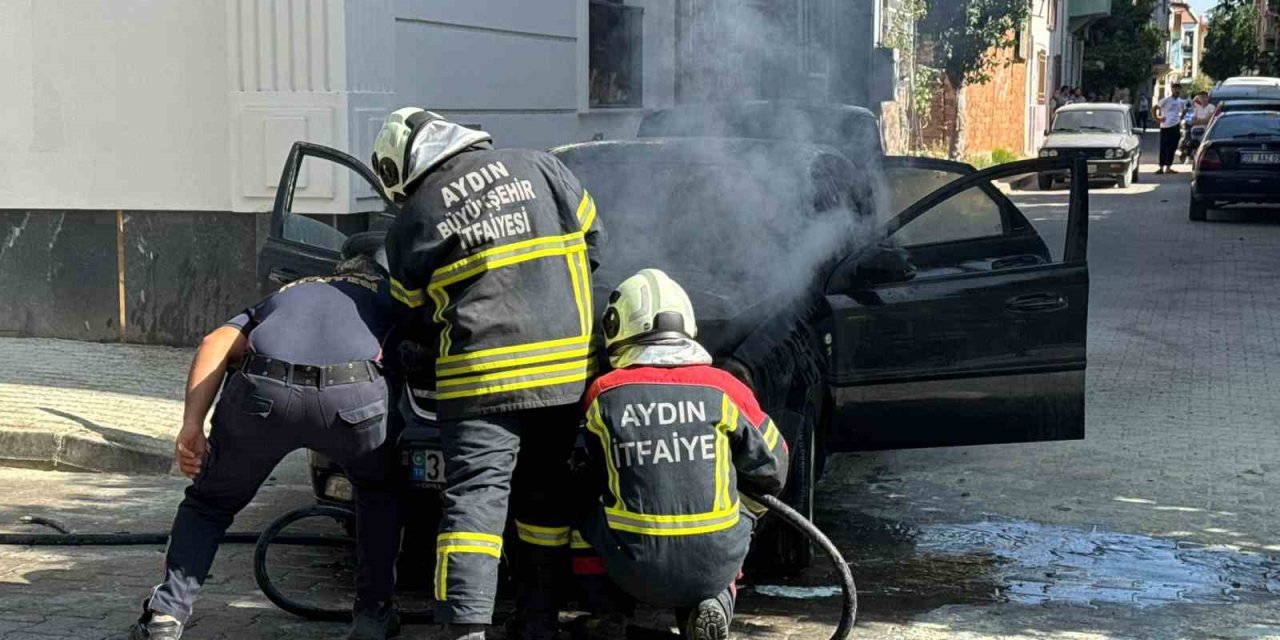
{"x":308,"y":376}
{"x":670,"y":440}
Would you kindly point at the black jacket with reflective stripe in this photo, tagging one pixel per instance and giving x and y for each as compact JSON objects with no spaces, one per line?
{"x":491,"y":260}
{"x":671,"y":446}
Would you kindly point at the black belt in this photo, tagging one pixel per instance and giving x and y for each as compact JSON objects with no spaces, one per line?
{"x":308,"y":375}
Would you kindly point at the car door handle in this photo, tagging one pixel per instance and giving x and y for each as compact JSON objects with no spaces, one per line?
{"x":1036,"y":303}
{"x":280,"y":275}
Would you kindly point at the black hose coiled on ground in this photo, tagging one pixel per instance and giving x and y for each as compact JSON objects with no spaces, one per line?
{"x":271,"y":535}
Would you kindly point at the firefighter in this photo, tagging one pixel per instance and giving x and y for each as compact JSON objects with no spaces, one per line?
{"x":308,"y":375}
{"x":670,"y":439}
{"x":491,"y":258}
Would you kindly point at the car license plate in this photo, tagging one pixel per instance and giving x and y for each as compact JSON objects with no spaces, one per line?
{"x":1093,"y":168}
{"x":1260,"y":158}
{"x":427,"y":466}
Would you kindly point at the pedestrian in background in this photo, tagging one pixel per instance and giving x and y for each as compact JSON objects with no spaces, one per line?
{"x":1144,"y":108}
{"x":307,"y":374}
{"x":1169,"y":114}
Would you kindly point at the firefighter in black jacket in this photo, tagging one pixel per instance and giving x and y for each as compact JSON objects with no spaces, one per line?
{"x":670,"y":440}
{"x":491,"y":258}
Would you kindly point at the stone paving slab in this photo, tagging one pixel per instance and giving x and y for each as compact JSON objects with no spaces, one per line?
{"x":87,"y":406}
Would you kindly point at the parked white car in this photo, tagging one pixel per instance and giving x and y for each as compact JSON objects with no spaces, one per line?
{"x":1101,"y":132}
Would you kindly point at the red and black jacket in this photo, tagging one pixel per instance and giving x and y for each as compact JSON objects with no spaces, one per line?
{"x":671,"y":446}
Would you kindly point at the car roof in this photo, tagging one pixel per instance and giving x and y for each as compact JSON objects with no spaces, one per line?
{"x":1094,"y":106}
{"x":1250,"y":102}
{"x":694,"y":150}
{"x":1241,"y":114}
{"x":1238,"y":91}
{"x":1250,"y":80}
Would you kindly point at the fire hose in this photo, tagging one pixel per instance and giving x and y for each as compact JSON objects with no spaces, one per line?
{"x":272,"y":535}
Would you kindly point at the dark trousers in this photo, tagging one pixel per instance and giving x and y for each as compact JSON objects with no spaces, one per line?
{"x":1141,"y":117}
{"x":256,"y":423}
{"x":521,"y":457}
{"x":1169,"y":137}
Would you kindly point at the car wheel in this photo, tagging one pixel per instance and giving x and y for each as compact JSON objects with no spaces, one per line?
{"x":780,"y":550}
{"x":1044,"y":182}
{"x":1123,"y":181}
{"x":1196,"y":210}
{"x":1134,"y":178}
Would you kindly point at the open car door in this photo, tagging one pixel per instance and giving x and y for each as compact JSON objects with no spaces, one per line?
{"x":304,"y":244}
{"x":962,"y":326}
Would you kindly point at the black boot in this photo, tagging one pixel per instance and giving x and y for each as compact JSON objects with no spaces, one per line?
{"x":376,"y":621}
{"x":710,"y":619}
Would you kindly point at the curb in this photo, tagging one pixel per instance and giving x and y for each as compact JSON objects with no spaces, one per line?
{"x":74,"y":452}
{"x":1016,"y":183}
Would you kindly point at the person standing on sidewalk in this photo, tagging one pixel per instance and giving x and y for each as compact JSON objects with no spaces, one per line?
{"x":491,"y":258}
{"x":1142,"y":112}
{"x":308,"y":376}
{"x":1168,"y":113}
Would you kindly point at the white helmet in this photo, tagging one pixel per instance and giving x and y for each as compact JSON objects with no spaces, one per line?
{"x":646,"y":307}
{"x":411,"y":142}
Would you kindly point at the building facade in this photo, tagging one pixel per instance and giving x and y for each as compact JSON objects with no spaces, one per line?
{"x":144,"y":140}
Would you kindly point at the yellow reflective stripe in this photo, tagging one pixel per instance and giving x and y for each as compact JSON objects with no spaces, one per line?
{"x":518,"y":348}
{"x":461,"y":548}
{"x":581,"y":352}
{"x":672,"y":525}
{"x":569,"y":261}
{"x":441,"y":299}
{"x":725,"y":463}
{"x":596,"y":426}
{"x":412,"y":298}
{"x":461,"y":542}
{"x":514,"y":386}
{"x":513,"y":373}
{"x":721,"y":426}
{"x":586,"y":211}
{"x":771,"y":435}
{"x":442,"y":575}
{"x":576,"y":541}
{"x":588,"y":317}
{"x":468,"y":536}
{"x":481,"y":256}
{"x":543,"y":536}
{"x":503,"y":262}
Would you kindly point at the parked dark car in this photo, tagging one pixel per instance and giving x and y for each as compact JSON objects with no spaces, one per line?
{"x":1238,"y":162}
{"x":1245,"y":88}
{"x":947,"y":321}
{"x":1251,"y":104}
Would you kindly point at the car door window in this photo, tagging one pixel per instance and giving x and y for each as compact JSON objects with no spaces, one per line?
{"x":969,"y":214}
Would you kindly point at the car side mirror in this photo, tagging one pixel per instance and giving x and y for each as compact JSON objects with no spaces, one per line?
{"x":883,"y":264}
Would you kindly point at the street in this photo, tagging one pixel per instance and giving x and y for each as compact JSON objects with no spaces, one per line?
{"x":1160,"y":524}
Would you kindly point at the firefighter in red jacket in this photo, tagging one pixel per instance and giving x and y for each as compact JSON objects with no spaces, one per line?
{"x":491,"y":257}
{"x":671,"y":439}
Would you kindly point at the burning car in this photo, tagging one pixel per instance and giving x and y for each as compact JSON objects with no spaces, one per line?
{"x":940,"y":318}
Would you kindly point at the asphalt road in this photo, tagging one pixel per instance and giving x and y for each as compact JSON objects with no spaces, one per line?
{"x":1160,"y":524}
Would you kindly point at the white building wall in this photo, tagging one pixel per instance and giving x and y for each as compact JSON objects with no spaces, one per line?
{"x":168,"y":105}
{"x":119,"y":105}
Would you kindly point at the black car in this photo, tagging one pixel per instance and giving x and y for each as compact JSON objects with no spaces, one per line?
{"x":943,"y":321}
{"x":1238,"y":162}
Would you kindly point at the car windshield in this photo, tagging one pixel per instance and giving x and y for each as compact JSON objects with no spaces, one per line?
{"x":1108,"y":120}
{"x":1245,"y":125}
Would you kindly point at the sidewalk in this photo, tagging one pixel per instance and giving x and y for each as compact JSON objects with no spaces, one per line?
{"x":90,"y":407}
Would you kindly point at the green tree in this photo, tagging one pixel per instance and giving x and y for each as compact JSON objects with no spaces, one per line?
{"x":963,"y":39}
{"x":1231,"y":45}
{"x":1121,"y":48}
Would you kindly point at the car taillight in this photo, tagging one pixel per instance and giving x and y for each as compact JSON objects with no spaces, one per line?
{"x":1210,"y":160}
